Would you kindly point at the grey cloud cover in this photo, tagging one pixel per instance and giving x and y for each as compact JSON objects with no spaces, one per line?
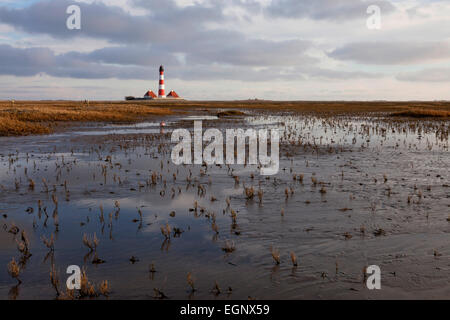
{"x":32,"y":61}
{"x":162,"y":34}
{"x":166,"y":23}
{"x":78,"y":65}
{"x":338,"y":10}
{"x":386,"y":53}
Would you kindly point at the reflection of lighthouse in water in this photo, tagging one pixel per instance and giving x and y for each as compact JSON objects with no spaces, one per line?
{"x":162,"y":91}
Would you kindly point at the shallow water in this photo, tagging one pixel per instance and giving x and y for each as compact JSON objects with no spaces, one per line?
{"x":375,"y":174}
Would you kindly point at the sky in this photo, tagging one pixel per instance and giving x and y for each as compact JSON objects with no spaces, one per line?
{"x":226,"y":49}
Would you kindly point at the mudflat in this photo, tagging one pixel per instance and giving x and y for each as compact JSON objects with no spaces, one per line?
{"x":93,"y":185}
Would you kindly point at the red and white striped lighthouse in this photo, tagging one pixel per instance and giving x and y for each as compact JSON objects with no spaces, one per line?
{"x":162,"y":91}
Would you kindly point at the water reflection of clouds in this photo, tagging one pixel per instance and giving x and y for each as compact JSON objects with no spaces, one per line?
{"x":182,"y":201}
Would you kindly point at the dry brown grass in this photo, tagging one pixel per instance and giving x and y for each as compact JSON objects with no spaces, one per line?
{"x":422,"y":113}
{"x":43,"y":117}
{"x":313,"y":107}
{"x":28,"y":117}
{"x":14,"y":270}
{"x":10,"y":126}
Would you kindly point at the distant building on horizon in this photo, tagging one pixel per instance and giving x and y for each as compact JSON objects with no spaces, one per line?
{"x":173,"y":95}
{"x":150,"y":95}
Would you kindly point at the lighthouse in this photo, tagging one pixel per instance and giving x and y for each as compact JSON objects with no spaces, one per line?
{"x":162,"y":91}
{"x":150,"y":95}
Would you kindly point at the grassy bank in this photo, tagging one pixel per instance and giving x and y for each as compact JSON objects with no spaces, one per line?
{"x":43,"y":117}
{"x":422,"y":113}
{"x":27,"y":117}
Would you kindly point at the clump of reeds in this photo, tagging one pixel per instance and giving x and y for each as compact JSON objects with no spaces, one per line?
{"x":55,"y":200}
{"x":49,"y":243}
{"x":275,"y":255}
{"x":233,"y":216}
{"x":216,"y":289}
{"x":159,"y":294}
{"x":190,"y":281}
{"x":14,"y":270}
{"x":166,"y":231}
{"x":24,"y":245}
{"x":154,"y":178}
{"x":54,"y":279}
{"x":260,"y":195}
{"x":13,"y":229}
{"x":229,"y":246}
{"x":379,"y":232}
{"x":86,"y":288}
{"x":90,"y":242}
{"x":44,"y":182}
{"x":294,"y":259}
{"x":31,"y":185}
{"x":249,"y":193}
{"x":214,"y":227}
{"x":105,"y":288}
{"x":134,"y":259}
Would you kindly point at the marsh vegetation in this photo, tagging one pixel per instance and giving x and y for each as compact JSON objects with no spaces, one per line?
{"x":356,"y":186}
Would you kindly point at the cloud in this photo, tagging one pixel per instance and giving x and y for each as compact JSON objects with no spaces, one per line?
{"x":167,"y":32}
{"x":252,"y":52}
{"x":427,"y":75}
{"x":166,"y":22}
{"x":25,"y":62}
{"x":132,"y":55}
{"x":337,"y":10}
{"x":392,"y":53}
{"x":110,"y":63}
{"x":33,"y":61}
